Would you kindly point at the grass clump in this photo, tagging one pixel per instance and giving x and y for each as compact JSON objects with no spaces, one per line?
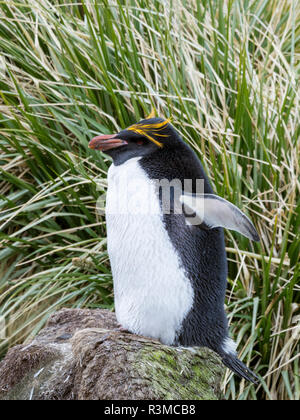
{"x":228,"y":73}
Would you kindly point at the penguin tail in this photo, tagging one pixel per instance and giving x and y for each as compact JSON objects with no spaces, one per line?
{"x":238,"y":367}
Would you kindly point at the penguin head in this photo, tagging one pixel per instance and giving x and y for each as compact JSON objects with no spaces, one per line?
{"x":146,"y":137}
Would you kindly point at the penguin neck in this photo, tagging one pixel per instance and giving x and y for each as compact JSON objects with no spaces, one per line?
{"x":177,"y":163}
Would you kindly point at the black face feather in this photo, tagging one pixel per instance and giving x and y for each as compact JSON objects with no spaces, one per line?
{"x":144,"y":139}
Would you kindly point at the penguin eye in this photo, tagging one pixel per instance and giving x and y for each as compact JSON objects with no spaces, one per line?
{"x":140,"y":142}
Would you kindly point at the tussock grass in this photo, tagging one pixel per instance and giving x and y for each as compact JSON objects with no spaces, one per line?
{"x":228,"y":73}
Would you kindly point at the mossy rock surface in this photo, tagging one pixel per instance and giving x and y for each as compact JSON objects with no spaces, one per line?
{"x":80,"y":355}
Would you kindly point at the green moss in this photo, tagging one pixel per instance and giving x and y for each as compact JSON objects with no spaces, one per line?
{"x":179,"y":373}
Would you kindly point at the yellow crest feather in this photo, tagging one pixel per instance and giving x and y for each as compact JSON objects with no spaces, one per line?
{"x":150,"y":130}
{"x":152,"y":114}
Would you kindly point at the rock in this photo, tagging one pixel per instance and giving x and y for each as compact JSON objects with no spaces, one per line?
{"x":81,"y":355}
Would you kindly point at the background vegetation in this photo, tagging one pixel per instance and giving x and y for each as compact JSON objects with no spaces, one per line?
{"x":228,"y":73}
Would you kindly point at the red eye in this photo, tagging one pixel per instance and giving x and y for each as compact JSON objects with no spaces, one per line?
{"x":140,"y":142}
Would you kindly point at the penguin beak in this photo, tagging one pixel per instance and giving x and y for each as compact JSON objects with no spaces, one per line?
{"x":106,"y":142}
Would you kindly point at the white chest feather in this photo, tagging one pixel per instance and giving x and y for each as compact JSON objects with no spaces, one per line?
{"x":152,"y":293}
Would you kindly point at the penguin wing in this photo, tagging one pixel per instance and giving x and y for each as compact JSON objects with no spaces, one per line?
{"x":215,"y":211}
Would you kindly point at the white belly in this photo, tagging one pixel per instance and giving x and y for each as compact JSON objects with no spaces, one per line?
{"x":152,"y":293}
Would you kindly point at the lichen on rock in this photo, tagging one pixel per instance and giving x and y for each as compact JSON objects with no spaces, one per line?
{"x":187,"y":374}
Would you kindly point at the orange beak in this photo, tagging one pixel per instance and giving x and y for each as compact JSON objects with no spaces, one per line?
{"x":106,"y":142}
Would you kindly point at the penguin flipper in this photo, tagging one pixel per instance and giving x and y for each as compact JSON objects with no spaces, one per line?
{"x":238,"y":367}
{"x":215,"y":211}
